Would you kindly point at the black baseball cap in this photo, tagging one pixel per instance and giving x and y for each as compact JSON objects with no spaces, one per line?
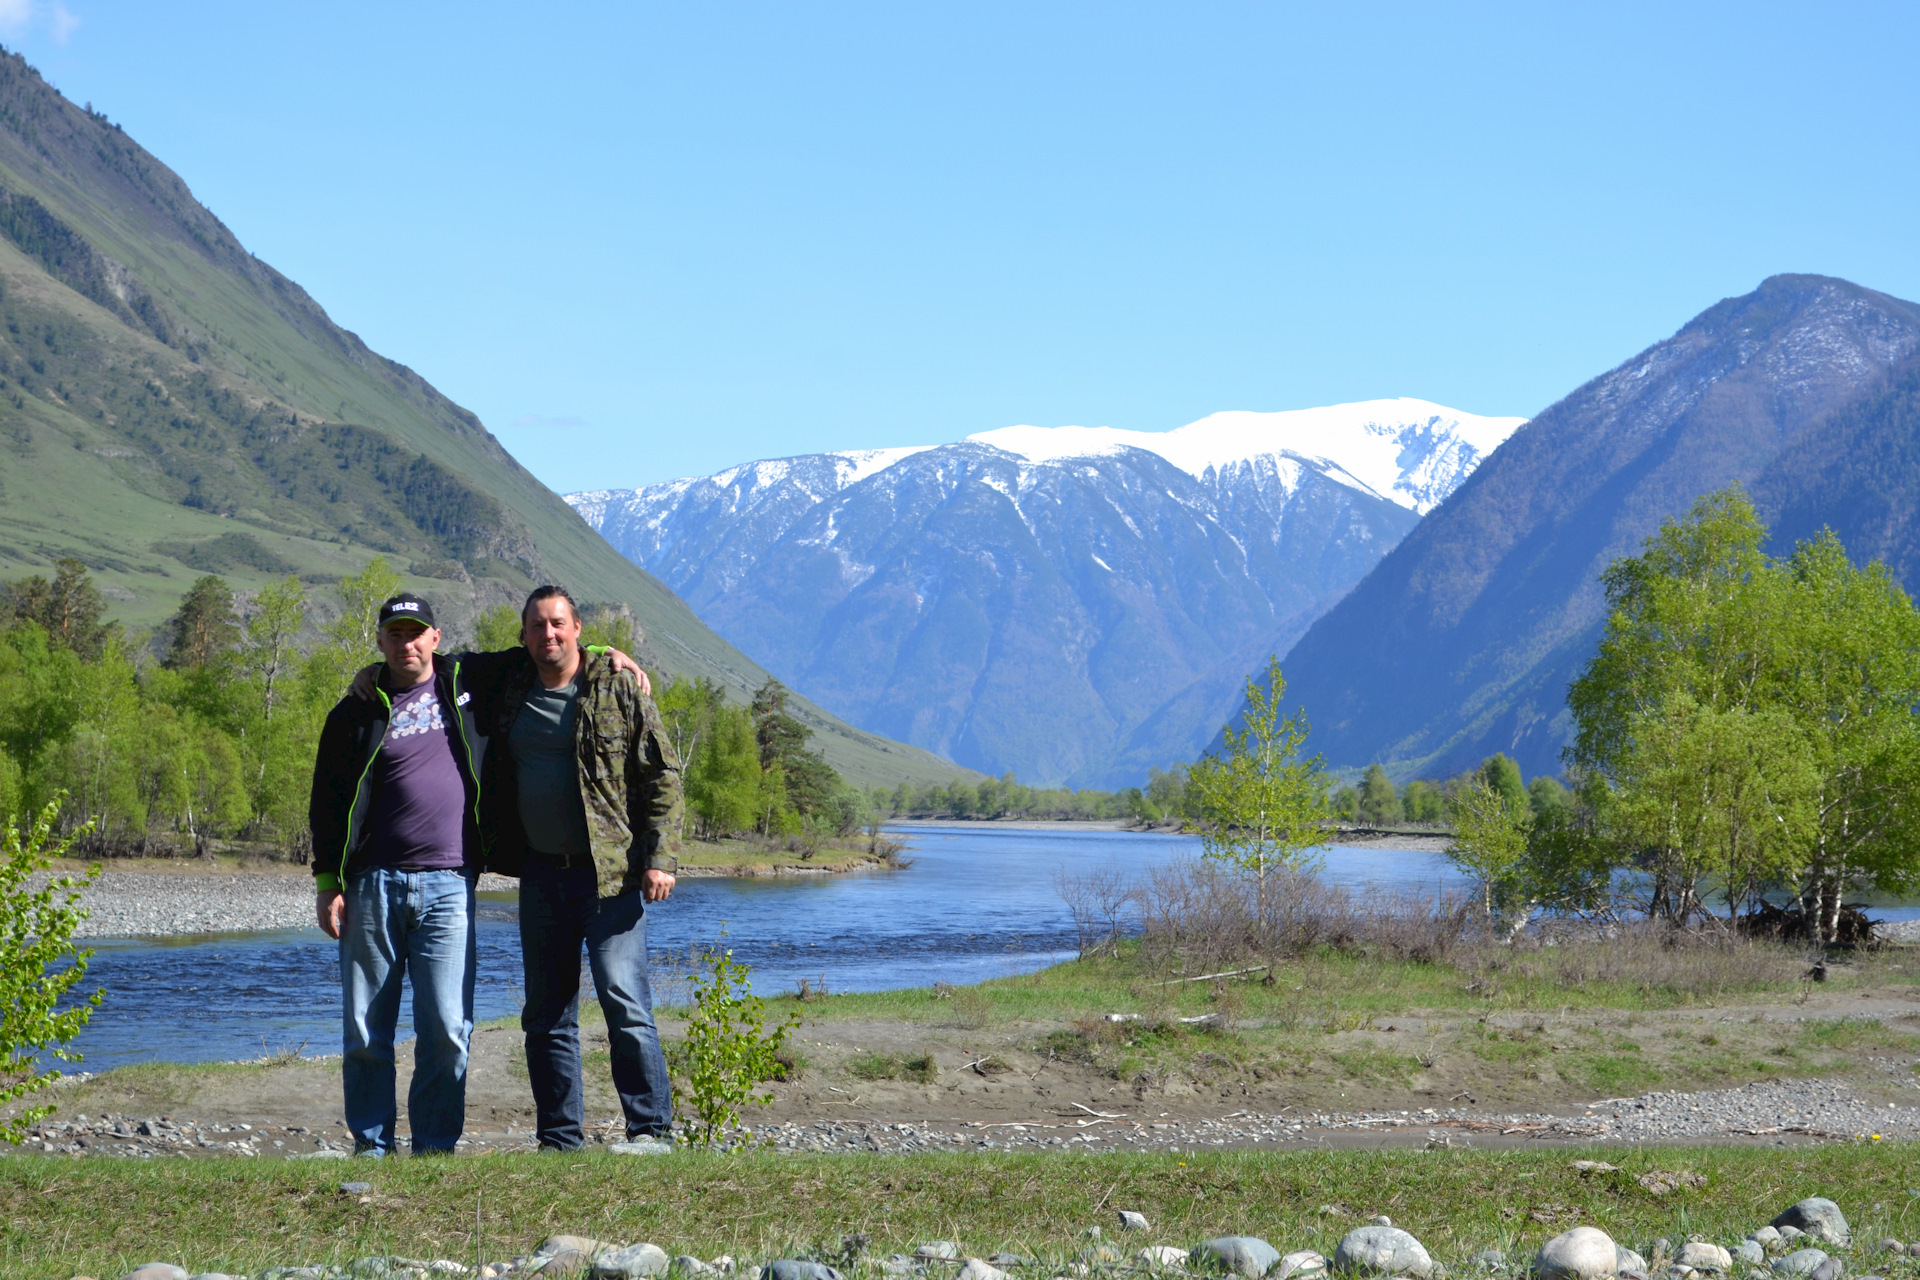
{"x":407,"y":607}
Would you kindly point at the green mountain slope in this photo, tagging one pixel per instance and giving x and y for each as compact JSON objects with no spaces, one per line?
{"x":170,"y":405}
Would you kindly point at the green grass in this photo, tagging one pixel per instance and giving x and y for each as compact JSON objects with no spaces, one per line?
{"x":748,"y":855}
{"x":919,"y":1069}
{"x":239,"y":1216}
{"x":1335,"y":991}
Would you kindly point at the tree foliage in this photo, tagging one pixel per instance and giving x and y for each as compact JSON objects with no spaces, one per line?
{"x":38,"y":963}
{"x":729,"y":1051}
{"x":1260,"y":804}
{"x":1748,"y":721}
{"x":749,"y":769}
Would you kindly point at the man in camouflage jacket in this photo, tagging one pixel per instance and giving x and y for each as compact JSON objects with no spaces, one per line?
{"x":581,"y":798}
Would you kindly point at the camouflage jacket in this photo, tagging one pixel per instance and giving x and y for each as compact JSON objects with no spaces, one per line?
{"x":629,"y":775}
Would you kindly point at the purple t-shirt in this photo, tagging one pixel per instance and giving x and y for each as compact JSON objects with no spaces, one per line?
{"x":419,"y":819}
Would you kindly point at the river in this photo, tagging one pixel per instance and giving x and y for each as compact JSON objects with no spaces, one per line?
{"x":976,"y":903}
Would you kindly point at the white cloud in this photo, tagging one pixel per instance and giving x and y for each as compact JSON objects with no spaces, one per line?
{"x":18,"y":17}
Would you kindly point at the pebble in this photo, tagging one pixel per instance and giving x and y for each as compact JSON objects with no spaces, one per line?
{"x":940,"y":1249}
{"x":1131,"y":1221}
{"x":1164,"y":1255}
{"x":636,"y":1261}
{"x":1301,"y":1262}
{"x":1818,"y":1217}
{"x":1751,"y":1252}
{"x":1247,"y":1256}
{"x":974,"y":1270}
{"x":1382,"y":1251}
{"x":796,"y":1269}
{"x":1801,"y":1262}
{"x":1702,"y":1256}
{"x":1584,"y":1253}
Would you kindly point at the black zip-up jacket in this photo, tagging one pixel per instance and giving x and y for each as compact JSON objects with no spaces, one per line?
{"x":355,"y":731}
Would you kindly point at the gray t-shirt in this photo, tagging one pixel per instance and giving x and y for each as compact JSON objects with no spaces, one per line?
{"x":548,"y":771}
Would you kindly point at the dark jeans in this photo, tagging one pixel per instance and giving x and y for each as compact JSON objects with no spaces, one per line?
{"x":559,"y":911}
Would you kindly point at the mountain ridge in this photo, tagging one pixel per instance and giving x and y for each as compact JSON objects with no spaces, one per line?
{"x":1077,"y":612}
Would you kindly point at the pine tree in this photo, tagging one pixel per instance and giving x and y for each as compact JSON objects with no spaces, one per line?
{"x":205,"y":628}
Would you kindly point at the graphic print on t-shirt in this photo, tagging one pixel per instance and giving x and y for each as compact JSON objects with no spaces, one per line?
{"x":419,"y":818}
{"x":417,"y":715}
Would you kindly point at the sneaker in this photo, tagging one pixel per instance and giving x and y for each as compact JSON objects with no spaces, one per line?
{"x":641,"y":1145}
{"x":367,"y":1147}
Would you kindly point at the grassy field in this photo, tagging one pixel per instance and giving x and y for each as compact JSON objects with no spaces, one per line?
{"x":101,"y":1218}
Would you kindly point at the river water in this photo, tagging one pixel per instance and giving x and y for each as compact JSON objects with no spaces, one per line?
{"x":976,"y":903}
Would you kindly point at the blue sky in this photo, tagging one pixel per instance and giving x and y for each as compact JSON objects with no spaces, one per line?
{"x":644,"y":241}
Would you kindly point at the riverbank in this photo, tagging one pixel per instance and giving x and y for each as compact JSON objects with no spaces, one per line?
{"x":1338,"y":1050}
{"x":160,"y":897}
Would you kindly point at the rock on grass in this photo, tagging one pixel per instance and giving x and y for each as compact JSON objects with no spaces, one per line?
{"x":1382,"y":1251}
{"x":1820,"y":1218}
{"x":1247,"y":1256}
{"x":1584,"y":1253}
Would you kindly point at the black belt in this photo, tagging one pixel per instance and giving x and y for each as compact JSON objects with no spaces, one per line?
{"x":565,"y":861}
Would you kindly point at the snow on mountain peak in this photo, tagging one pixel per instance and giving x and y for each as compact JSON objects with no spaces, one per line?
{"x":857,"y":464}
{"x":1410,"y":452}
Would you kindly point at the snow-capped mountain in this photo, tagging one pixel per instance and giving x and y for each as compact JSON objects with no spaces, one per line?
{"x":1071,"y":603}
{"x":1410,"y":452}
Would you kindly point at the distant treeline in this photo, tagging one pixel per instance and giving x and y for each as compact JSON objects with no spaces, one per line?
{"x":1168,"y":798}
{"x":1163,"y":798}
{"x":205,"y":729}
{"x":1375,"y":802}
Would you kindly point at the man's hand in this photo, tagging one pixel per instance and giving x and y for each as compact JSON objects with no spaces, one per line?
{"x":366,"y":682}
{"x":621,"y":662}
{"x":331,"y":908}
{"x":655,"y":885}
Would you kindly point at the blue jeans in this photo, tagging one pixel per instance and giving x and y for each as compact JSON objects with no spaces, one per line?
{"x":400,"y":922}
{"x":560,"y":909}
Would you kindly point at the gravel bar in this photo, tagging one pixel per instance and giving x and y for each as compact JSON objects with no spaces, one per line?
{"x":156,"y":904}
{"x":1780,"y":1110}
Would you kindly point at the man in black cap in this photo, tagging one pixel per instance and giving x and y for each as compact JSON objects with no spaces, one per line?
{"x":396,"y":787}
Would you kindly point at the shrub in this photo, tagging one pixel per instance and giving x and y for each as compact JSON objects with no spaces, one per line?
{"x":727,"y":1050}
{"x":36,"y":931}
